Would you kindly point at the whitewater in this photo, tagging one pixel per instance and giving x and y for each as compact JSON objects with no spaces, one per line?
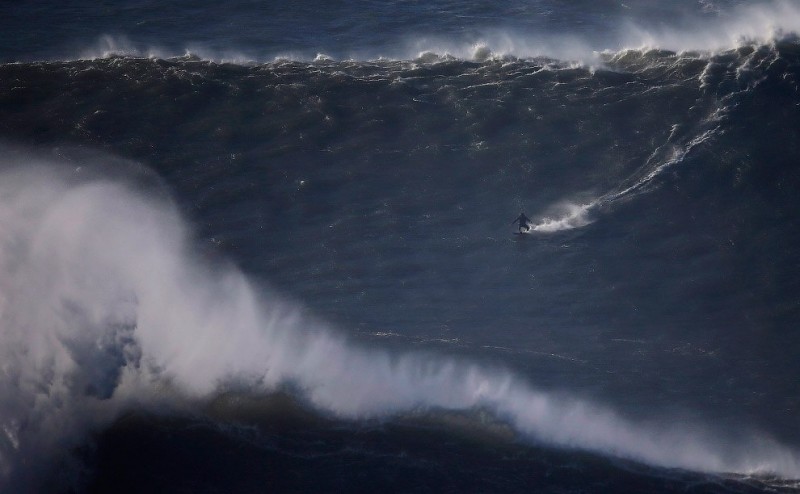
{"x":126,"y":316}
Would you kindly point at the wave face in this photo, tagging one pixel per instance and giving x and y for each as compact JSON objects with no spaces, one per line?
{"x":307,"y":264}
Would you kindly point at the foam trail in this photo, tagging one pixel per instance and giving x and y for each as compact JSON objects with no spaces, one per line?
{"x":104,"y":307}
{"x":566,"y":216}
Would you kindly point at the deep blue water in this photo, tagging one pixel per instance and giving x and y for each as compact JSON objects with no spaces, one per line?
{"x":247,"y":247}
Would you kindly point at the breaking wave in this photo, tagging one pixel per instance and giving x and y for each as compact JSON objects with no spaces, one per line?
{"x":105,"y":307}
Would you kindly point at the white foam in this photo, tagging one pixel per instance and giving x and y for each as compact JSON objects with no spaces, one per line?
{"x":565,"y":216}
{"x":104,"y":307}
{"x":748,"y":24}
{"x":759,"y":23}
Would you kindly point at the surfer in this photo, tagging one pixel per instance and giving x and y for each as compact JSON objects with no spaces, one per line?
{"x":524,"y":223}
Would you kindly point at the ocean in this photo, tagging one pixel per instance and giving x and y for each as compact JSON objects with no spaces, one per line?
{"x":263,"y":247}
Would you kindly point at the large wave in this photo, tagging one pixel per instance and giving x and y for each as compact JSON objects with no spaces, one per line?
{"x":106,"y":306}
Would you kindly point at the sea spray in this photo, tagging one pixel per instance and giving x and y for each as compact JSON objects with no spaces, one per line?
{"x":107,"y":307}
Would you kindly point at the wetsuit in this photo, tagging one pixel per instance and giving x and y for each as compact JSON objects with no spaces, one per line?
{"x":524,"y":222}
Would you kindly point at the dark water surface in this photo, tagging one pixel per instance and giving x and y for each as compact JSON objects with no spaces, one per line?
{"x":227,"y":272}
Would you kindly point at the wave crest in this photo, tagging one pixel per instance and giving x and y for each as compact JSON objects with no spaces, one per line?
{"x":763,"y":23}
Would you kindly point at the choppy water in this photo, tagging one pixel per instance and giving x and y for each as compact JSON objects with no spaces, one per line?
{"x":250,"y":247}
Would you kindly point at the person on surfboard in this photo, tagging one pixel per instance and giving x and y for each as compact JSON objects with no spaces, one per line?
{"x":524,"y":223}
